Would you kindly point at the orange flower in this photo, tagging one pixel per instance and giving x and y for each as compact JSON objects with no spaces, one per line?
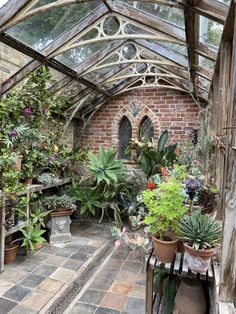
{"x":151,"y":185}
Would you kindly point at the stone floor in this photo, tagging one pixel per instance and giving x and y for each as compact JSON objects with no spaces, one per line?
{"x":33,"y":284}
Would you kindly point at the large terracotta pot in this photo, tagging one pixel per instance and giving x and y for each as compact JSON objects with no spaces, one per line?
{"x":190,"y":298}
{"x":164,"y":250}
{"x":198,"y":261}
{"x":10,"y":253}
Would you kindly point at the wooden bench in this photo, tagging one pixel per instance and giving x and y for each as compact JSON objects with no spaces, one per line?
{"x":177,"y":267}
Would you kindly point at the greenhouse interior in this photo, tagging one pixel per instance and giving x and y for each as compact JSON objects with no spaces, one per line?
{"x":118,"y":156}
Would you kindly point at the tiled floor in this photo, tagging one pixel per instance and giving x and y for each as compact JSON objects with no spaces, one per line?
{"x":118,"y":288}
{"x":29,"y":285}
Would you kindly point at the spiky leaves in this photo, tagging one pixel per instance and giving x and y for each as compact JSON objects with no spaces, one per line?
{"x":105,"y":168}
{"x":200,"y":230}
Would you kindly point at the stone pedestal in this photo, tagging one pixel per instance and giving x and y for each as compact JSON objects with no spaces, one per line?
{"x":59,"y":226}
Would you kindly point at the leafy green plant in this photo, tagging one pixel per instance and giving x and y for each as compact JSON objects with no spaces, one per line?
{"x":90,"y":200}
{"x":37,"y":217}
{"x":199,"y":230}
{"x":46,"y":178}
{"x":32,"y":236}
{"x":165,"y":207}
{"x":55,"y":201}
{"x":105,"y":168}
{"x":151,"y":158}
{"x":27,"y":170}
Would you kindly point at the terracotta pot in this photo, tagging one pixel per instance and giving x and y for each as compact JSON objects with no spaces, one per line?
{"x":61,"y":209}
{"x":58,"y":173}
{"x":198,"y":261}
{"x":164,"y":250}
{"x":17,"y":165}
{"x":28,"y":181}
{"x":10,"y":253}
{"x":180,"y":246}
{"x":190,"y":295}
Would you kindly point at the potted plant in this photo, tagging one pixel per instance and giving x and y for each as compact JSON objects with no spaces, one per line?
{"x":59,"y":202}
{"x":201,"y":234}
{"x":10,"y":251}
{"x":46,"y":178}
{"x":165,"y":209}
{"x":27,"y":172}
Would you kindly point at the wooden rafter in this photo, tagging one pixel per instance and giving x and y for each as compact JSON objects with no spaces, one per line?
{"x":192,"y":39}
{"x":54,"y":46}
{"x":12,"y":42}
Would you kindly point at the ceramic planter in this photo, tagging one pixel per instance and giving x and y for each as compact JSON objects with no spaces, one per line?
{"x":164,"y":250}
{"x":10,"y":253}
{"x":198,"y":261}
{"x":28,"y":181}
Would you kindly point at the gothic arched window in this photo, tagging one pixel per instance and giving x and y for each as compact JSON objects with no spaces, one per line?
{"x":125,"y":135}
{"x":146,"y":130}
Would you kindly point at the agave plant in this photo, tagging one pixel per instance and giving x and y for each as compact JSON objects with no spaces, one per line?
{"x":105,"y":168}
{"x":200,"y":230}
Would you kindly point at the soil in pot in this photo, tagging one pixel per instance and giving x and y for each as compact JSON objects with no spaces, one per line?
{"x":10,"y":253}
{"x":61,"y":209}
{"x":198,"y":261}
{"x":164,"y":250}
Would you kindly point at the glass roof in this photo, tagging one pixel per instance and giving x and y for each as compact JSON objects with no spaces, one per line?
{"x":41,"y":29}
{"x":111,"y":46}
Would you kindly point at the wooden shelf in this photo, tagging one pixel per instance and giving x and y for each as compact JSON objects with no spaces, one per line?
{"x":21,"y":224}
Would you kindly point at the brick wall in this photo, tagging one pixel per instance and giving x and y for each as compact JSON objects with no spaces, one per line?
{"x":172,"y":110}
{"x":10,"y":61}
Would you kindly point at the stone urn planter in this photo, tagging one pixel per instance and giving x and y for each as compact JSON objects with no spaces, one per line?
{"x":164,"y":250}
{"x":59,"y":225}
{"x":198,"y":261}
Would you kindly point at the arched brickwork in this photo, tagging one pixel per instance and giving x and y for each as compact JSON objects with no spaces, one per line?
{"x":135,"y":111}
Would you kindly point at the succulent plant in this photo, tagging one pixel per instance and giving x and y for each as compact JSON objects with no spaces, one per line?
{"x":199,"y":230}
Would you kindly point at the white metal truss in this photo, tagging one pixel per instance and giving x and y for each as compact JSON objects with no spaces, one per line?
{"x":124,"y":29}
{"x":134,"y":71}
{"x":120,"y":56}
{"x":145,"y":82}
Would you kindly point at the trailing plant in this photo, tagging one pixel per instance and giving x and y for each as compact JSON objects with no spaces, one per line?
{"x":55,"y":201}
{"x":201,"y":231}
{"x":165,"y":207}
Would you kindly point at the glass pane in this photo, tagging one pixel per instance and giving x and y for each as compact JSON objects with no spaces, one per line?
{"x":71,"y":90}
{"x":210,"y":32}
{"x":72,"y":58}
{"x":209,"y":64}
{"x":102,"y":74}
{"x":146,"y":130}
{"x":40,"y":3}
{"x":39,"y":30}
{"x":223,"y":1}
{"x":11,"y":61}
{"x":2,"y":2}
{"x":181,"y":49}
{"x":125,"y":135}
{"x":172,"y":15}
{"x":91,"y":98}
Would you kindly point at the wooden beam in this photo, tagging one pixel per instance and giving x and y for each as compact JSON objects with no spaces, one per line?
{"x":205,"y":51}
{"x":10,"y":10}
{"x":12,"y":42}
{"x":55,"y":45}
{"x":192,"y":38}
{"x":214,"y":10}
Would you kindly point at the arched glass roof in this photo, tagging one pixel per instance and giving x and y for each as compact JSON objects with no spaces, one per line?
{"x":105,"y":47}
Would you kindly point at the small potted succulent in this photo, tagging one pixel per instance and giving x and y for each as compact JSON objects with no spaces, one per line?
{"x":201,"y":234}
{"x":165,"y":209}
{"x":59,"y":202}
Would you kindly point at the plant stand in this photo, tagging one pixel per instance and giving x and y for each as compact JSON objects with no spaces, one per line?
{"x":59,"y":226}
{"x":178,"y":267}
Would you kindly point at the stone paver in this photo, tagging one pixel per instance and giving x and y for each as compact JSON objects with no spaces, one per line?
{"x":5,"y":286}
{"x":36,"y":300}
{"x":92,"y":296}
{"x":19,"y":309}
{"x":121,"y":287}
{"x":32,"y":281}
{"x":83,"y":309}
{"x":62,"y":274}
{"x":17,"y":293}
{"x":114,"y":301}
{"x":50,"y":285}
{"x":45,"y":270}
{"x":72,"y":264}
{"x":13,"y":276}
{"x":103,"y":310}
{"x":6,"y":305}
{"x":55,"y":260}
